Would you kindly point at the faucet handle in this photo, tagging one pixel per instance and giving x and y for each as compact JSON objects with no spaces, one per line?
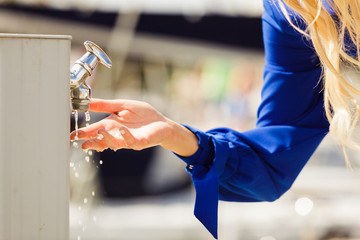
{"x":98,"y":52}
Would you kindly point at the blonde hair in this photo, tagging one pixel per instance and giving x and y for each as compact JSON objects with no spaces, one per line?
{"x":328,"y":38}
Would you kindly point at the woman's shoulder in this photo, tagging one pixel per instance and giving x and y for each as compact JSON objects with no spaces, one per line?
{"x":273,"y":11}
{"x":273,"y":14}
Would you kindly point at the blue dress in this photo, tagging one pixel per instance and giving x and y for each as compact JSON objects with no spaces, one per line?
{"x":261,"y":164}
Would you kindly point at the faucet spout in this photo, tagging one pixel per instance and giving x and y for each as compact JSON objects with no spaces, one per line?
{"x":80,"y":97}
{"x":82,"y":69}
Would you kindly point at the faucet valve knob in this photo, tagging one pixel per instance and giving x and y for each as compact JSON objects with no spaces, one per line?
{"x":98,"y":52}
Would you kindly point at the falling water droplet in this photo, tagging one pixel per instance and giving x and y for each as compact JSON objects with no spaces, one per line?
{"x":101,"y":162}
{"x":90,"y":153}
{"x":75,"y":145}
{"x":93,"y":193}
{"x":85,"y":200}
{"x":87,"y":158}
{"x":76,"y":174}
{"x":71,"y":164}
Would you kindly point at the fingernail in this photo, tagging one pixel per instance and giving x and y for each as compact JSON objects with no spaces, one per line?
{"x":122,"y":131}
{"x":99,"y":134}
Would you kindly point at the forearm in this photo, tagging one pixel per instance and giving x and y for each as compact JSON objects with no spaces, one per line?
{"x":180,"y":140}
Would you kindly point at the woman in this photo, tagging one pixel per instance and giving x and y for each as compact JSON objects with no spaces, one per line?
{"x":305,"y":42}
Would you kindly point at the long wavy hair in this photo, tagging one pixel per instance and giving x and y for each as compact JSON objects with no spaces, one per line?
{"x":331,"y":36}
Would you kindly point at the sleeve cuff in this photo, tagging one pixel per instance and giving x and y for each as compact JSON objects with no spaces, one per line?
{"x":205,"y":181}
{"x":205,"y":153}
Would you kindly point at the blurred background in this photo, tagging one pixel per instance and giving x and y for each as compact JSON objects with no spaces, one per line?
{"x":199,"y":62}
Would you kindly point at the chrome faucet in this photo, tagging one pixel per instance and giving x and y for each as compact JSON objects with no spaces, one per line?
{"x":82,"y":69}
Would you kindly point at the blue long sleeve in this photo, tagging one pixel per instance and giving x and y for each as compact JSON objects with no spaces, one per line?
{"x":261,"y":164}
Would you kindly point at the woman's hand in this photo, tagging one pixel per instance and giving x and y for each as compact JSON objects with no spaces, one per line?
{"x":135,"y":125}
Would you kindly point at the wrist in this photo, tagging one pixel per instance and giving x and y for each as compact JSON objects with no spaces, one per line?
{"x":180,"y":140}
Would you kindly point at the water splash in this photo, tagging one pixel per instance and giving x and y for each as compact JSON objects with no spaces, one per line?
{"x":85,"y":161}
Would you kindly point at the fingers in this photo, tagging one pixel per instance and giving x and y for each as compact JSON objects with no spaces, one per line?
{"x":88,"y":132}
{"x":124,"y":140}
{"x":106,"y":140}
{"x":120,"y":105}
{"x":111,"y":141}
{"x":108,"y":106}
{"x":95,"y":144}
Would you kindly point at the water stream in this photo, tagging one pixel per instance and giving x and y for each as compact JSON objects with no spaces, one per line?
{"x":76,"y":119}
{"x":80,"y":172}
{"x":87,"y":116}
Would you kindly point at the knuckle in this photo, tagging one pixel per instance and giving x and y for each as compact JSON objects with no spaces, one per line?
{"x":130,"y":141}
{"x":144,"y":142}
{"x":115,"y":145}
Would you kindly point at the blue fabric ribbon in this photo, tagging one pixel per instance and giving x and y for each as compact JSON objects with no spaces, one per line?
{"x":207,"y":192}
